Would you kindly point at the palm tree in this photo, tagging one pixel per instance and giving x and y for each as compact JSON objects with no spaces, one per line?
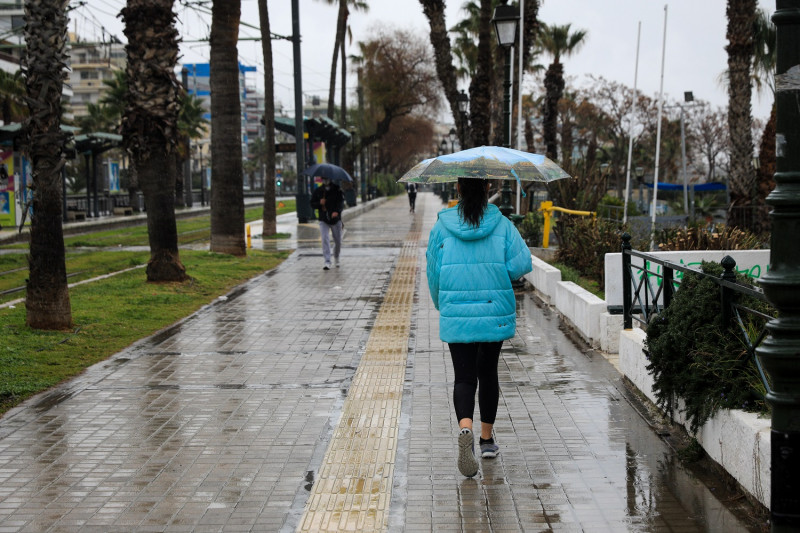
{"x":116,"y":93}
{"x":557,"y":41}
{"x":12,"y":93}
{"x":446,"y":72}
{"x":99,"y":117}
{"x":114,"y":100}
{"x":742,"y":184}
{"x":227,"y":198}
{"x":765,"y":59}
{"x":47,"y":301}
{"x":465,"y":45}
{"x":150,"y":125}
{"x":191,"y":125}
{"x":269,"y":225}
{"x":342,"y":30}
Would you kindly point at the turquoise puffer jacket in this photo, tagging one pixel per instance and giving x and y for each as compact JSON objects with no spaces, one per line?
{"x":469,"y":276}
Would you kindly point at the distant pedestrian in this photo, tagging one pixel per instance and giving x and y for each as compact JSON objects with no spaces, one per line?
{"x":412,"y":195}
{"x":328,"y":199}
{"x":474,"y":253}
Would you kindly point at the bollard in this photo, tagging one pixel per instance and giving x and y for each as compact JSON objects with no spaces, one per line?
{"x":547,"y":210}
{"x":249,"y":240}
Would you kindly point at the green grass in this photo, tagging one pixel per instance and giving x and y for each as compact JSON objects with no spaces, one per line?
{"x":190,"y":230}
{"x":82,"y":264}
{"x":109,"y":315}
{"x":570,"y":274}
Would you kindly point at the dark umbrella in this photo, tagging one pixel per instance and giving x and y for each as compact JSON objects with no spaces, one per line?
{"x":327,"y":170}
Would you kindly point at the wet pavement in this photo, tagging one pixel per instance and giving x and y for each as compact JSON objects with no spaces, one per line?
{"x":313,"y":400}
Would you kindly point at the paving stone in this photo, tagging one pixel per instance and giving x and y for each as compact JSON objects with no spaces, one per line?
{"x":228,"y":420}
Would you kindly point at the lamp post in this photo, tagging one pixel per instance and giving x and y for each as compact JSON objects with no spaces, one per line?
{"x":463,"y":108}
{"x":505,"y":22}
{"x":780,"y":351}
{"x":452,"y":136}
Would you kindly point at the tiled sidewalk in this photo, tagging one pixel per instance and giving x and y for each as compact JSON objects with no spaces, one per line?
{"x":223,"y":422}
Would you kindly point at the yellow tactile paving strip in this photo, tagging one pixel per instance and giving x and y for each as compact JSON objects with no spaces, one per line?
{"x":352,"y":490}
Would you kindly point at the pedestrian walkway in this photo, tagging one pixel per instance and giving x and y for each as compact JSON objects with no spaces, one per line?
{"x":311,"y":400}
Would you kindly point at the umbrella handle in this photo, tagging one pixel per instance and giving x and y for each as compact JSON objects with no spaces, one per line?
{"x":519,"y":183}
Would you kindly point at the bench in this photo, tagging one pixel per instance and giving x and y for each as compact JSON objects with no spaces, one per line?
{"x":74,"y":216}
{"x":123,"y":211}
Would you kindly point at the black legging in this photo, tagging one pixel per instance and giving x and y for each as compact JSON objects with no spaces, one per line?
{"x":473,"y":362}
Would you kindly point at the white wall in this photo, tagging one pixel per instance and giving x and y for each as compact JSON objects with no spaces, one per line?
{"x":754,"y":262}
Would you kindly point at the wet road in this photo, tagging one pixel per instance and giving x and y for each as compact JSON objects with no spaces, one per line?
{"x":225,"y":421}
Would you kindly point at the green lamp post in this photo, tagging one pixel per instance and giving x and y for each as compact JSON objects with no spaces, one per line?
{"x":780,"y":351}
{"x":505,"y":22}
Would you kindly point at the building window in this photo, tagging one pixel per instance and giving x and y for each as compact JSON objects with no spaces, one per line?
{"x":90,"y":75}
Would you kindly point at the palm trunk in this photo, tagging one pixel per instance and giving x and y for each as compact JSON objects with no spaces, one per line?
{"x":741,"y":16}
{"x":269,"y":215}
{"x":434,"y":11}
{"x":150,"y":126}
{"x":343,"y":110}
{"x":341,"y":21}
{"x":554,"y":88}
{"x":227,"y":197}
{"x":480,"y":89}
{"x":47,"y":301}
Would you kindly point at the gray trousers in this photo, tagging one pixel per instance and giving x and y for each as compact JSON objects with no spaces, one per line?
{"x":325,"y":231}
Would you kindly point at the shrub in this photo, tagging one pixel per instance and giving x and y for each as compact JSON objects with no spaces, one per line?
{"x":718,"y":237}
{"x":611,"y":207}
{"x":531,"y":228}
{"x":693,"y":356}
{"x":585,"y":244}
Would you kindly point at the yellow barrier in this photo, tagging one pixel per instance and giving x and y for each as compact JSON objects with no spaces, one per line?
{"x":547,"y":209}
{"x":249,"y":241}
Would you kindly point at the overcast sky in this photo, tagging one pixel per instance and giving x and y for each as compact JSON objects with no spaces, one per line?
{"x":695,"y":40}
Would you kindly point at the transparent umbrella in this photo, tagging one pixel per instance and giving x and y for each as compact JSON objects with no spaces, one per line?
{"x":485,"y":162}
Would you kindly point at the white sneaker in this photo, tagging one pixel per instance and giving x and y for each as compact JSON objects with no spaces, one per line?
{"x":327,"y":266}
{"x":336,"y":262}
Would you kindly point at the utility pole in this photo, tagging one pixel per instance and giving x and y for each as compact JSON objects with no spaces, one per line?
{"x":187,"y":163}
{"x":303,"y":205}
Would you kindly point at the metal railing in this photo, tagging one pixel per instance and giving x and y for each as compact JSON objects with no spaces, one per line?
{"x":647,"y":290}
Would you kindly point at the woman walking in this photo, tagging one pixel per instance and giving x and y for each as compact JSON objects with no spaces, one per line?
{"x":474,"y":253}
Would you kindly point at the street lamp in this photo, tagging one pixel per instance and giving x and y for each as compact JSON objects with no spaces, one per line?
{"x":505,"y":22}
{"x":452,"y":136}
{"x":463,"y":107}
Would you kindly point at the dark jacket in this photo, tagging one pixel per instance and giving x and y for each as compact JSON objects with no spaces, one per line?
{"x":334,"y":203}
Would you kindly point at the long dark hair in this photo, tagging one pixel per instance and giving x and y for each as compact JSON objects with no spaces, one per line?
{"x":474,"y":200}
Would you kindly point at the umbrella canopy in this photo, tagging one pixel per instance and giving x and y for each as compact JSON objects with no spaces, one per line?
{"x":327,"y":170}
{"x":486,"y":162}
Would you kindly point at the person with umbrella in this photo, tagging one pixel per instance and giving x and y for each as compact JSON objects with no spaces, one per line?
{"x":474,"y":253}
{"x":328,"y":199}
